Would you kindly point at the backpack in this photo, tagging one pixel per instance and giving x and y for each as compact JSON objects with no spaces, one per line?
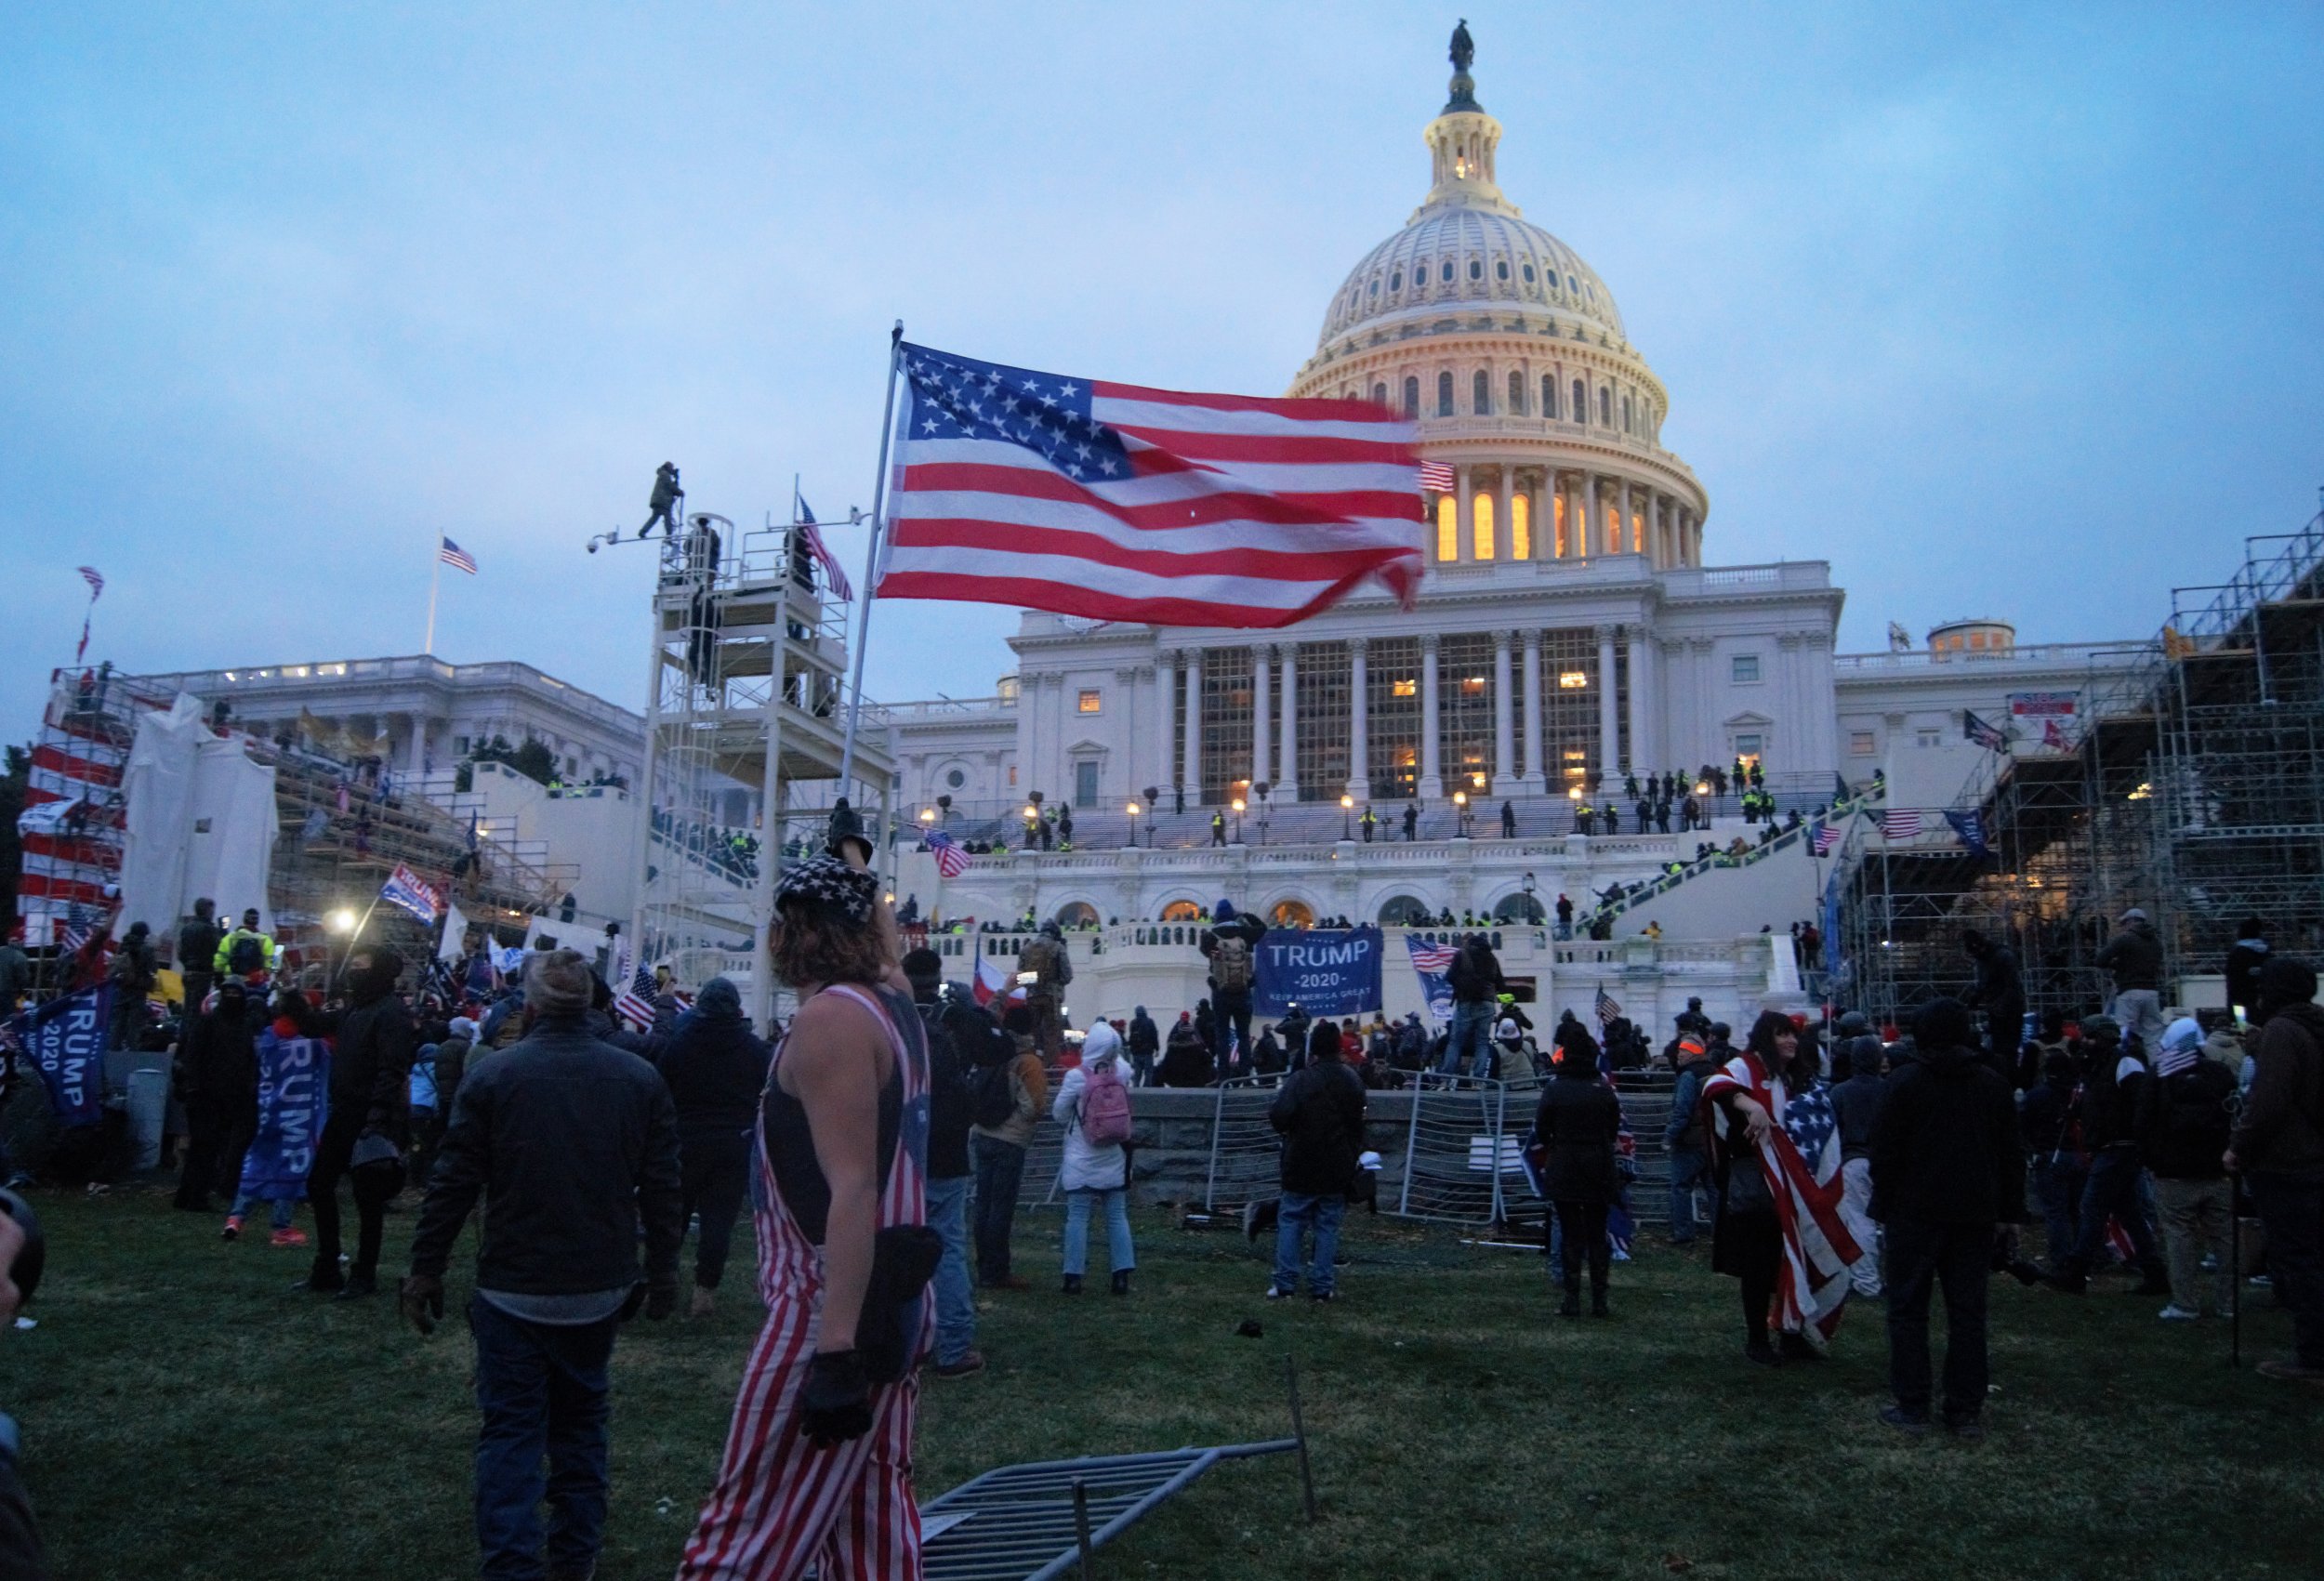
{"x":2195,"y":1120}
{"x":948,"y":1084}
{"x":1105,"y":1106}
{"x":245,"y":955}
{"x":1230,"y":967}
{"x":996,"y":1098}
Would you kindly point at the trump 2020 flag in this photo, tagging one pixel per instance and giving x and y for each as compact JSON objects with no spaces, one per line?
{"x":1115,"y":502}
{"x":408,"y":891}
{"x":293,"y":1101}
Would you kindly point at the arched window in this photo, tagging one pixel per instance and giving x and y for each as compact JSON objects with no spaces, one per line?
{"x":1626,"y":416}
{"x":1581,"y":403}
{"x":1077,"y":913}
{"x":1519,"y":907}
{"x":1379,"y":395}
{"x":1404,"y":911}
{"x":1448,"y":529}
{"x":1444,"y":390}
{"x":1411,"y":397}
{"x":1395,"y":280}
{"x":1521,"y":526}
{"x":1606,"y":407}
{"x":1528,"y":274}
{"x":1481,"y":393}
{"x":1476,"y":269}
{"x":1548,"y":395}
{"x":1558,"y":533}
{"x":1181,"y":911}
{"x":1375,"y":288}
{"x":1443,"y":271}
{"x":1481,"y":510}
{"x":1292,"y":914}
{"x":1516,"y":395}
{"x":1501,"y":270}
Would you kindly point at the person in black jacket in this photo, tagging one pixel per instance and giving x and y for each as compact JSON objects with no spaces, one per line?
{"x":218,"y":1083}
{"x":2001,"y":994}
{"x":2045,"y":1124}
{"x":2187,"y":1127}
{"x":962,"y":1040}
{"x":2244,"y":959}
{"x":2115,"y":1103}
{"x":1475,"y":980}
{"x":572,"y":1144}
{"x":715,"y":1067}
{"x":1946,"y":1175}
{"x":1145,"y":1042}
{"x":1319,"y":1113}
{"x":1576,"y":1127}
{"x":197,"y":955}
{"x":369,"y":1129}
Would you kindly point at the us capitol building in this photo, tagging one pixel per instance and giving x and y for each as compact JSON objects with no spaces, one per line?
{"x":1572,"y":628}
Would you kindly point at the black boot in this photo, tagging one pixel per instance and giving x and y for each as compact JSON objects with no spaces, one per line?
{"x":1597,"y":1301}
{"x":1073,"y":1285}
{"x":1121,"y":1282}
{"x":1571,"y":1306}
{"x":323,"y":1279}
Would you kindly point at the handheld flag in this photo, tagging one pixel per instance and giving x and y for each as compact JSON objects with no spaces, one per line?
{"x":636,"y":1002}
{"x":457,"y":557}
{"x":1430,"y":963}
{"x":96,"y":581}
{"x":1115,"y":502}
{"x":1608,"y":1007}
{"x":408,"y":891}
{"x":811,"y":535}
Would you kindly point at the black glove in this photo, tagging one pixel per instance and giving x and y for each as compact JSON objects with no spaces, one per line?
{"x":834,"y":1401}
{"x":661,"y":1299}
{"x":421,"y":1300}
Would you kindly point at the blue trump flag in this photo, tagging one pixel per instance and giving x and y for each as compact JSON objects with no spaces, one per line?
{"x":65,"y":1040}
{"x":1333,"y":972}
{"x":293,"y":1101}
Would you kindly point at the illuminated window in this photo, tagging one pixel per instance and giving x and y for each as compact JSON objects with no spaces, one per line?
{"x":1484,"y":526}
{"x":1521,"y":528}
{"x":1445,"y":390}
{"x":1638,"y":531}
{"x":1572,"y":680}
{"x":1181,"y":911}
{"x":1089,"y":702}
{"x":1557,"y":525}
{"x":1448,"y":529}
{"x":1481,"y":393}
{"x":1406,"y":687}
{"x":1746,"y":748}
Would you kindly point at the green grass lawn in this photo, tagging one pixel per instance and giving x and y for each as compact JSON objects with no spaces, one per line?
{"x":185,"y":1417}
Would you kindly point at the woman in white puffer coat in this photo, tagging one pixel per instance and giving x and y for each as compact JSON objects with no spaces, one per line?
{"x":1094,"y":1174}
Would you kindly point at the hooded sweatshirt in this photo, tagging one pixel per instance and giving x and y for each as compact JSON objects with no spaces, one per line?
{"x":1089,"y":1167}
{"x":716,"y":1067}
{"x":2281,"y":1128}
{"x":371,"y":1066}
{"x":2134,"y":956}
{"x":1945,"y":1148}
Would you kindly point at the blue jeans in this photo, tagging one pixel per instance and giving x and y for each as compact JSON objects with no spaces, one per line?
{"x":2112,"y":1192}
{"x":2058,"y":1186}
{"x":956,"y":1310}
{"x":1121,"y":1256}
{"x":542,"y":1389}
{"x":999,"y":1174}
{"x":1472,"y":1035}
{"x":1690,"y":1168}
{"x":1298,"y":1212}
{"x":279,"y":1211}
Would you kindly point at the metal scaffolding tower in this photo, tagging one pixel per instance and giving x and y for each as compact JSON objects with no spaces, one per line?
{"x":743,"y":691}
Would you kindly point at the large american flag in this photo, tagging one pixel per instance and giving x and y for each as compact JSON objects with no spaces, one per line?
{"x":951,"y":861}
{"x":1900,"y":826}
{"x":1800,"y":1158}
{"x":1824,"y":836}
{"x":1115,"y":502}
{"x":1608,"y":1007}
{"x":811,"y":535}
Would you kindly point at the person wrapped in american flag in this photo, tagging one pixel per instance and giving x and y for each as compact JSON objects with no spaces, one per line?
{"x":1775,"y":1152}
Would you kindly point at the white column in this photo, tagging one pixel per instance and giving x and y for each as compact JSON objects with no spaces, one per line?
{"x":1642,"y":757}
{"x":1261,"y":679}
{"x":1359,"y":722}
{"x":1536,"y":779}
{"x":1432,"y":774}
{"x":1288,"y":777}
{"x":1190,"y":776}
{"x":1593,"y":521}
{"x":1504,"y":515}
{"x":1504,"y":715}
{"x":1625,"y":536}
{"x":1165,"y":719}
{"x":1609,"y":717}
{"x":1467,"y":496}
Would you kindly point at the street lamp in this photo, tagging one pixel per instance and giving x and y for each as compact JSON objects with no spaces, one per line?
{"x":1032,"y":821}
{"x":1239,"y":820}
{"x":1133,"y":826}
{"x":1347,"y":817}
{"x":1461,"y":813}
{"x":341,"y":920}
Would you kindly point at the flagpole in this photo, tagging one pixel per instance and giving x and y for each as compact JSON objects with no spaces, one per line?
{"x":871,"y":558}
{"x":435,"y":580}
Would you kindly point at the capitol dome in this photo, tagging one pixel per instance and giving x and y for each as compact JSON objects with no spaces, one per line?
{"x":1508,"y":352}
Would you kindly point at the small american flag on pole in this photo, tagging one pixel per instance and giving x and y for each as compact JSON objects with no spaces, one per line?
{"x":811,"y":535}
{"x":1437,"y":477}
{"x":1608,"y":1007}
{"x":1431,"y":957}
{"x":94,"y":579}
{"x":1900,"y":826}
{"x":951,"y":861}
{"x":457,"y":557}
{"x":1824,"y":838}
{"x":635,"y":1002}
{"x":1117,"y":502}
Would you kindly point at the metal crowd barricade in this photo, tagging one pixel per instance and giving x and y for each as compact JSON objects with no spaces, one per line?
{"x":1245,"y":1153}
{"x":1455,"y":1152}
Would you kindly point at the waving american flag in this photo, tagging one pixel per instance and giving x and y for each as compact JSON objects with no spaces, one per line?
{"x":635,"y":1002}
{"x":951,"y":861}
{"x":1116,"y":501}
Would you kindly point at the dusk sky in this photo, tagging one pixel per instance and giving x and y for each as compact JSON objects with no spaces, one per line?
{"x":2002,"y":310}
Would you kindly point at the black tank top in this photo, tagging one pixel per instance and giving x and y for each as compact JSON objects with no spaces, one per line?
{"x":791,"y":1147}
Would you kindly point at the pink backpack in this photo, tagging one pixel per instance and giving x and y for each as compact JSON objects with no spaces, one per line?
{"x":1105,"y":1106}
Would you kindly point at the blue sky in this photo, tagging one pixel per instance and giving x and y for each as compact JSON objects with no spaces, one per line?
{"x":2005,"y":311}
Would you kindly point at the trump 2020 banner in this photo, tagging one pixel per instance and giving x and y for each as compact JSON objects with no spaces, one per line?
{"x":1325,"y":973}
{"x":65,"y":1040}
{"x":293,"y":1101}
